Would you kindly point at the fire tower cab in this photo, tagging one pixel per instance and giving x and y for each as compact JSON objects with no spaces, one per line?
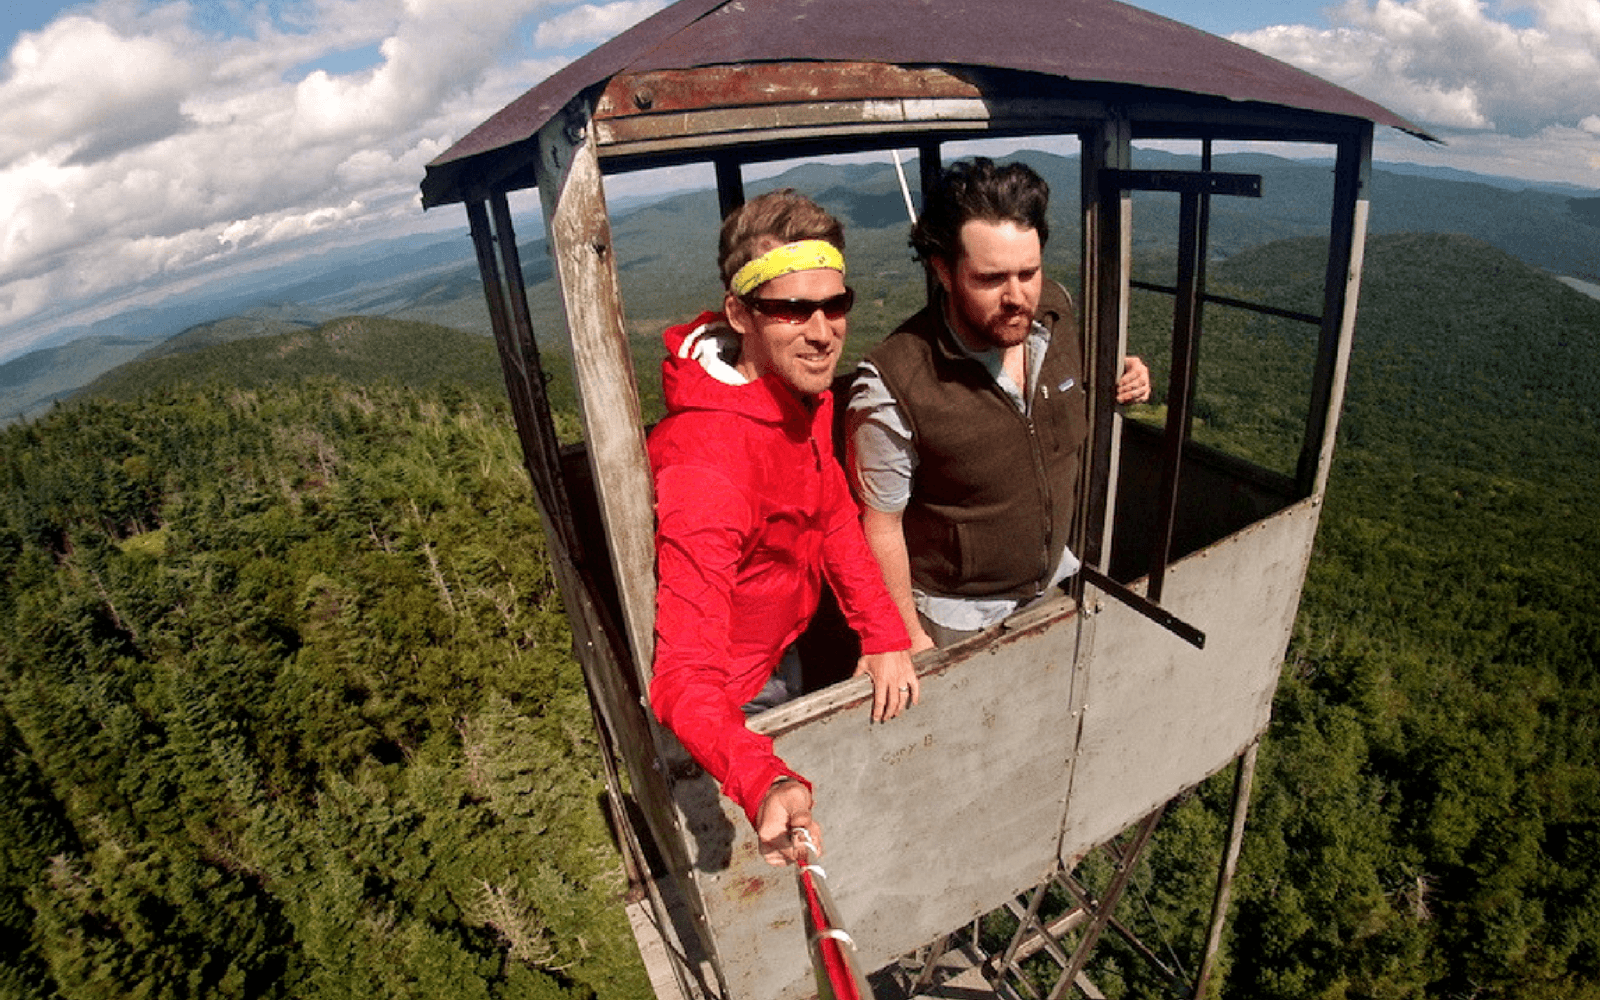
{"x":1065,"y":728}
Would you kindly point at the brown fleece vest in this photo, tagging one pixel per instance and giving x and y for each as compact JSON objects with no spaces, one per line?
{"x":995,"y":491}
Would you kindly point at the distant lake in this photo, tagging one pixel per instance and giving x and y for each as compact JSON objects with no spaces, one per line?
{"x":1588,"y":288}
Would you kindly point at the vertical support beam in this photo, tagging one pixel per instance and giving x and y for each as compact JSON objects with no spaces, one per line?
{"x":489,"y":272}
{"x":930,"y":965}
{"x":496,"y":243}
{"x":1243,"y":780}
{"x":1341,"y":288}
{"x":929,"y":164}
{"x":730,"y":185}
{"x":1107,"y":261}
{"x":1027,"y":925}
{"x":579,"y":234}
{"x":929,"y":167}
{"x":1107,"y":255}
{"x":621,"y":724}
{"x":1205,"y":214}
{"x":1180,"y":382}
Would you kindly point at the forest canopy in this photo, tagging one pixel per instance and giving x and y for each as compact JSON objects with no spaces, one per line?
{"x":289,"y":706}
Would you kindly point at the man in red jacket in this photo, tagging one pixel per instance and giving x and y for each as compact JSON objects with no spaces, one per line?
{"x":752,"y":510}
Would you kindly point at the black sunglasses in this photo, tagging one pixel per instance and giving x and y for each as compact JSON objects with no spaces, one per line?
{"x":800,"y":310}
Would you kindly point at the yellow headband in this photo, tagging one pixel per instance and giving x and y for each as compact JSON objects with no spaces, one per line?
{"x":787,"y":259}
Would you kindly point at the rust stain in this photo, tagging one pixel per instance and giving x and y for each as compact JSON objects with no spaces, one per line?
{"x":750,"y":887}
{"x":700,"y":89}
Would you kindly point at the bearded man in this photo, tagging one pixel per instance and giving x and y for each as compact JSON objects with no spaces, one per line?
{"x":966,"y":426}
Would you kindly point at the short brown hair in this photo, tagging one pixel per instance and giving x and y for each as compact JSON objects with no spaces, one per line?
{"x":771,"y":220}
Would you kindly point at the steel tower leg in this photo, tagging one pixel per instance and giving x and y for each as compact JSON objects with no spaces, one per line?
{"x":1243,"y":779}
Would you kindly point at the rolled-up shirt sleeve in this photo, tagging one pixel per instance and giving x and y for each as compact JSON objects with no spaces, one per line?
{"x":881,"y":454}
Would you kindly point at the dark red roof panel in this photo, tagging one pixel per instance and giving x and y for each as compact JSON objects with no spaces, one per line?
{"x":1099,"y":41}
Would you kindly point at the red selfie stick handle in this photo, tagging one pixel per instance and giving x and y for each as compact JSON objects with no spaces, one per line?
{"x":832,"y":950}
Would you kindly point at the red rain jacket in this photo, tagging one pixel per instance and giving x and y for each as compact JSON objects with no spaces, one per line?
{"x":752,"y":510}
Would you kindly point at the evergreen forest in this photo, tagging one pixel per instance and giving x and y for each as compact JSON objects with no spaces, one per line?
{"x":288,"y":704}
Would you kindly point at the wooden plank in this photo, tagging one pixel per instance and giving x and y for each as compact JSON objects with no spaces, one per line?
{"x":676,"y":90}
{"x":764,"y":119}
{"x":717,"y":128}
{"x":1347,"y":240}
{"x":579,"y":237}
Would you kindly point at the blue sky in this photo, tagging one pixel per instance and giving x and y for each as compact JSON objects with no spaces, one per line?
{"x":1226,"y":17}
{"x":151,"y":146}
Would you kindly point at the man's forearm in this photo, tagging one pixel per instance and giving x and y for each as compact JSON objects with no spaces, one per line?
{"x":886,"y":538}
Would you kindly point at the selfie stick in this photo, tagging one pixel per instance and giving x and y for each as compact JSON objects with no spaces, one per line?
{"x":833,"y":953}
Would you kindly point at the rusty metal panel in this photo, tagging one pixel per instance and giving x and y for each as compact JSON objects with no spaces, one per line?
{"x":669,"y":91}
{"x":1161,"y":716}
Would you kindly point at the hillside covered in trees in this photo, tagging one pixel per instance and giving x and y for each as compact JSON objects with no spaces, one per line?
{"x":289,"y":708}
{"x":1426,"y":818}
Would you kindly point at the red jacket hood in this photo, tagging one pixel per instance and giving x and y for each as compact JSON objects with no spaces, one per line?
{"x":686,"y":385}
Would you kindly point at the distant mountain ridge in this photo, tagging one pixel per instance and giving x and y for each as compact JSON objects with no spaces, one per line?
{"x":1441,"y":311}
{"x":256,"y":323}
{"x":358,"y":349}
{"x":666,"y":250}
{"x":38,"y":379}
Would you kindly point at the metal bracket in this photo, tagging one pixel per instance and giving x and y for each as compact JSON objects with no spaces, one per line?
{"x":1150,"y":609}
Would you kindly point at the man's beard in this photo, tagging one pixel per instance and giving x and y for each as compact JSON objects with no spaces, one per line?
{"x":1008,"y":329}
{"x":986,"y":331}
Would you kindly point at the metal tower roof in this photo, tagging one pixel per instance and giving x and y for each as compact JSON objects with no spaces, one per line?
{"x":1095,"y":42}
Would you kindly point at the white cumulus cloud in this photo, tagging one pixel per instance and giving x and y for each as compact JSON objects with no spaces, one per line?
{"x":88,"y":91}
{"x":141,"y":141}
{"x":1455,"y":64}
{"x":591,"y":23}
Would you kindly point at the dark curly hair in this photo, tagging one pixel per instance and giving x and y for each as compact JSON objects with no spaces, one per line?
{"x":978,"y":189}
